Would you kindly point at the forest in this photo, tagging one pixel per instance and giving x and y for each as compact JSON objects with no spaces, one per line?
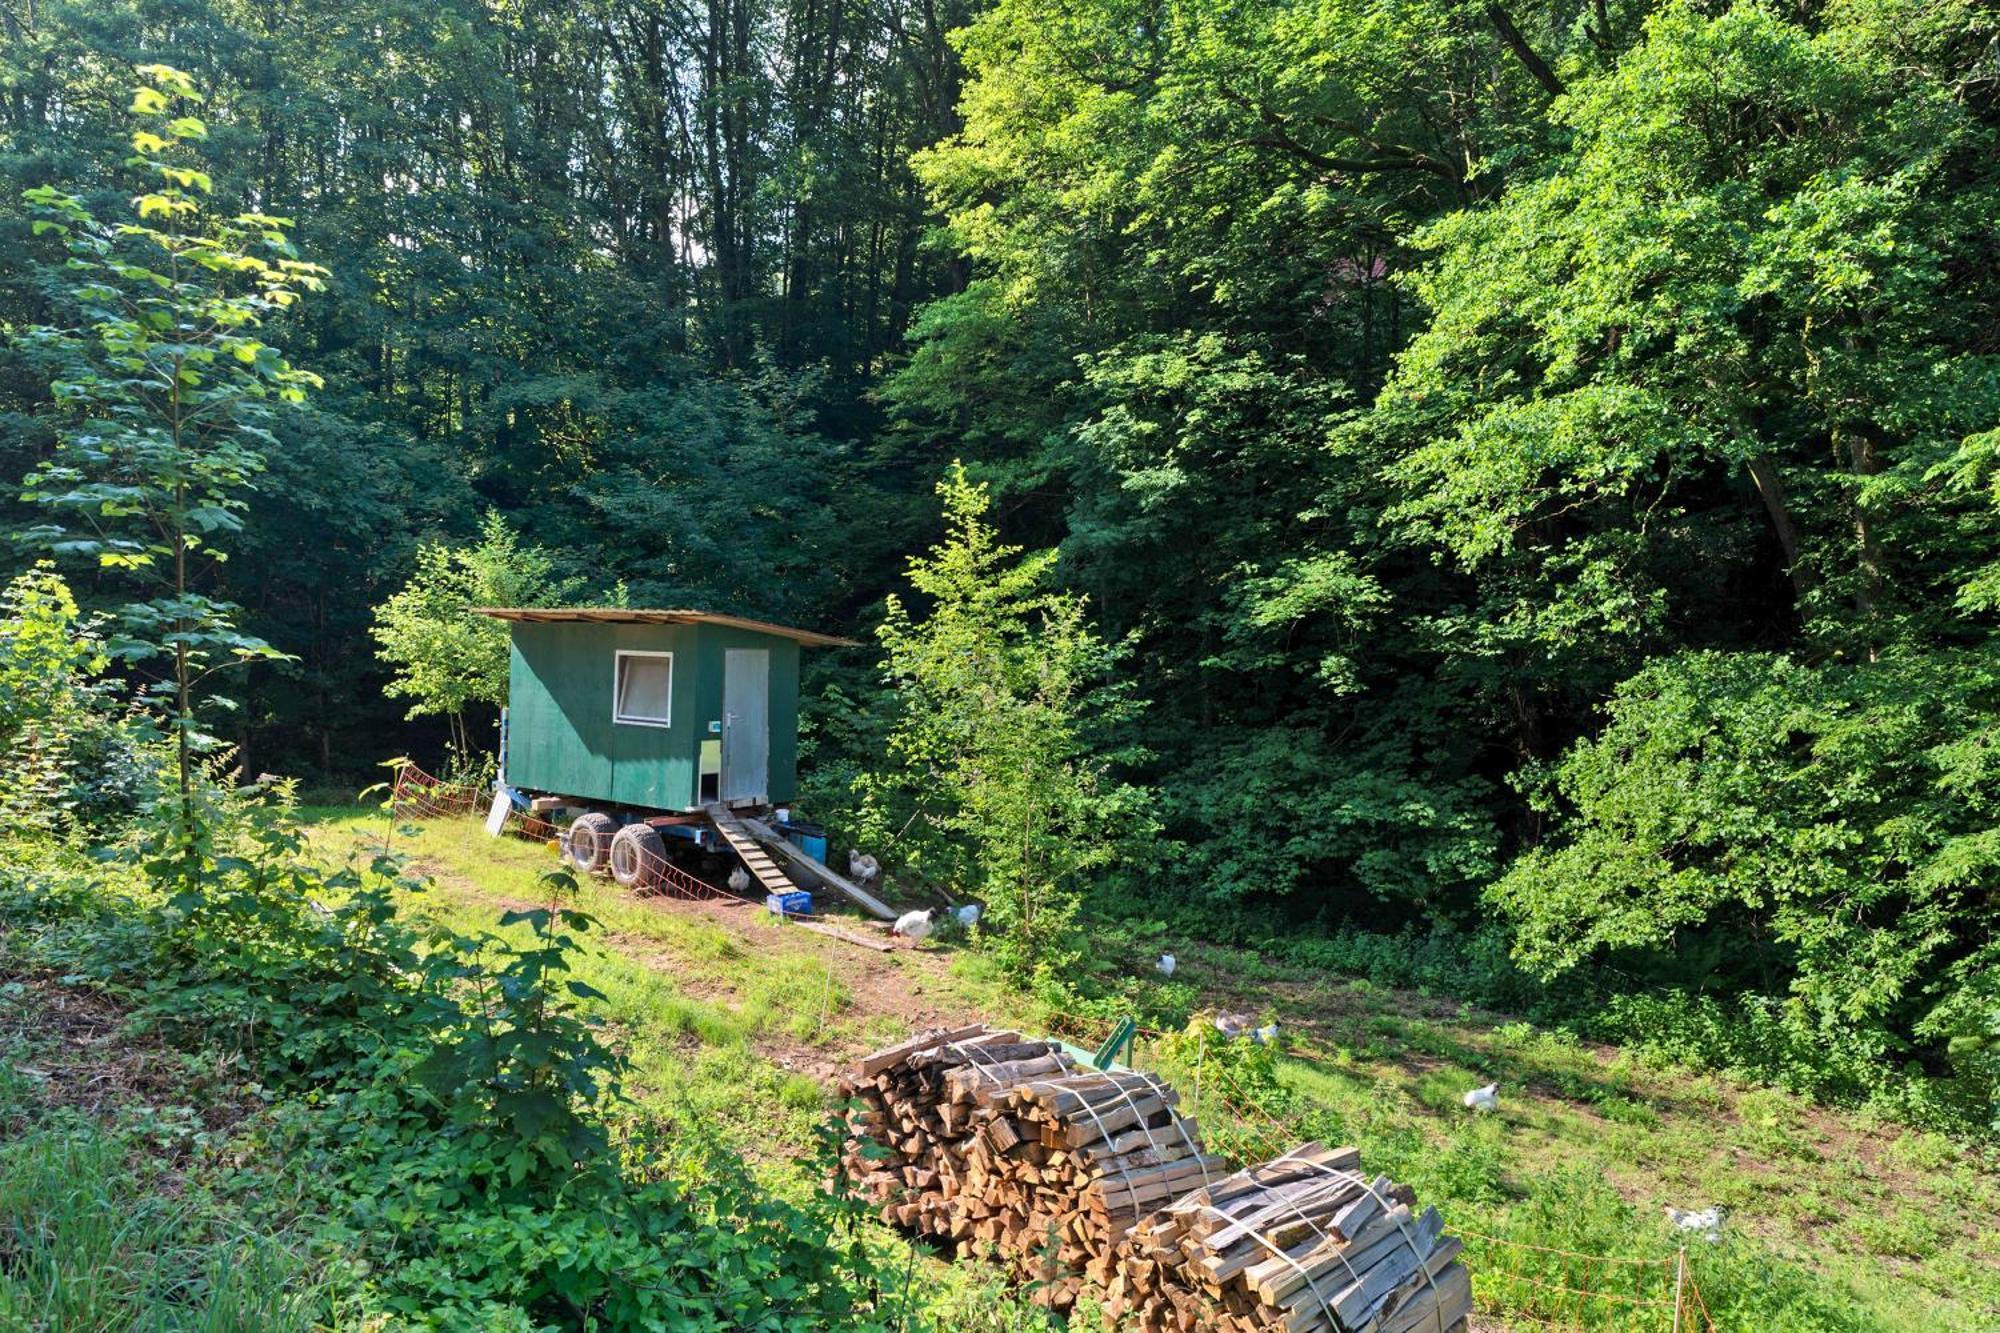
{"x":1498,"y":498}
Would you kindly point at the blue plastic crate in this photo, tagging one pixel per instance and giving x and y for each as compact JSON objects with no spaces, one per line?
{"x":796,"y":903}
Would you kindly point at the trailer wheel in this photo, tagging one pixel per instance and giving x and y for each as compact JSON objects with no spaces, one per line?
{"x":637,"y":852}
{"x":587,"y":844}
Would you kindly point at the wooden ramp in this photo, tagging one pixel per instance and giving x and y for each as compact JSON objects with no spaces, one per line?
{"x":771,"y":838}
{"x":755,"y":859}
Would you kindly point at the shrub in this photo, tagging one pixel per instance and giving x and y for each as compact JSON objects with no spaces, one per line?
{"x":444,"y":1105}
{"x":1816,"y":838}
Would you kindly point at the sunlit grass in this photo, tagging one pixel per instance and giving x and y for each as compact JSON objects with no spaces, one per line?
{"x":92,"y":1238}
{"x":1586,"y":1148}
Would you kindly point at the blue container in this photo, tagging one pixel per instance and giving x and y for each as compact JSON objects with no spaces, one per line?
{"x":795,"y":903}
{"x":808,"y":838}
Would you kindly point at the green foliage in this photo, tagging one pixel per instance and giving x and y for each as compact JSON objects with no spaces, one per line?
{"x":443,"y":1107}
{"x":1408,"y":378}
{"x":1684,"y":297}
{"x":1821,"y":835}
{"x":163,"y":388}
{"x":1233,"y":1072}
{"x":66,"y":760}
{"x":1004,"y":703}
{"x":1442,"y":960}
{"x":523,"y":1058}
{"x":445,"y":658}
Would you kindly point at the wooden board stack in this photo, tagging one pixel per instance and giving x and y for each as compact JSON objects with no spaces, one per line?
{"x":1306,"y":1241}
{"x":1082,"y":1179}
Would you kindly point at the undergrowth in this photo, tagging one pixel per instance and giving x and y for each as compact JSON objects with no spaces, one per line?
{"x":444,"y":1105}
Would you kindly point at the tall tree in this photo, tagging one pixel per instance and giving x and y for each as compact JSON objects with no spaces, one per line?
{"x":1007,"y":718}
{"x":164,"y":389}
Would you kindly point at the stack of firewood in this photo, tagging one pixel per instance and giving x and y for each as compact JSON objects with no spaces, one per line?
{"x":914,"y":1103}
{"x":1086,"y":1180}
{"x":1306,"y":1241}
{"x":1062,"y":1167}
{"x":991,"y":1141}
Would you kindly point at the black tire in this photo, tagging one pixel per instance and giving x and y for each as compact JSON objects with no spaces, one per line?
{"x":637,"y":852}
{"x":587,"y":843}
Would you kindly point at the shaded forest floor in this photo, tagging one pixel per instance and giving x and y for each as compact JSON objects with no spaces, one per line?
{"x":1835,"y":1220}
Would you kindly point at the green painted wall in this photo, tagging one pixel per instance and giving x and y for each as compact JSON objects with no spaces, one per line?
{"x":560,"y":736}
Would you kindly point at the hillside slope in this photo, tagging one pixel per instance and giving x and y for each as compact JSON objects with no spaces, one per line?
{"x":1835,"y":1220}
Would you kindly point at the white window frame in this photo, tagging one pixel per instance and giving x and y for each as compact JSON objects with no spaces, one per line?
{"x":618,"y":716}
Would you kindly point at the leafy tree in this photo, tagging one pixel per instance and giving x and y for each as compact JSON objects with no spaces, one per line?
{"x":1824,"y":834}
{"x":446,"y":658}
{"x":1004,"y":742}
{"x":164,"y":391}
{"x":1728,"y":325}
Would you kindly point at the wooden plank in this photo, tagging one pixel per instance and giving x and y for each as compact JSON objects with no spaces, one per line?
{"x":760,"y":866}
{"x":891,"y":1056}
{"x":875,"y":906}
{"x":879,"y":946}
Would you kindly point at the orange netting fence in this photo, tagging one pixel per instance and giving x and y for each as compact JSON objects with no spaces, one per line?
{"x":418,"y":795}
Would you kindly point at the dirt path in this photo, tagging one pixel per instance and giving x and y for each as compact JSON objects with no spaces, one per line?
{"x":890,"y":994}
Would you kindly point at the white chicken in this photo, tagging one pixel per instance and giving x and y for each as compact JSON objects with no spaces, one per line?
{"x":1484,"y":1101}
{"x":1166,"y":964}
{"x":968,"y":915}
{"x":739,"y":880}
{"x":1705,"y":1222}
{"x":915,"y":926}
{"x":1266,"y":1035}
{"x":863,"y":869}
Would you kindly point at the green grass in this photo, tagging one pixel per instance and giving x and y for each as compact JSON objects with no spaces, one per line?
{"x":104,"y":1221}
{"x":705,"y":1015}
{"x":1837,"y":1221}
{"x":90,"y":1239}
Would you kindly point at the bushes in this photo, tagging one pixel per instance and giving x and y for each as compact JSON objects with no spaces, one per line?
{"x":442,"y":1107}
{"x":66,"y":756}
{"x":1815,"y":839}
{"x":1467,"y":965}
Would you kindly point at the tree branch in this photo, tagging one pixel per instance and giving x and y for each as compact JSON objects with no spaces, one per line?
{"x":1503,"y":24}
{"x":1384,"y":158}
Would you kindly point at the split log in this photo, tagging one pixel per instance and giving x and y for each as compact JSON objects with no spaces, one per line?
{"x":1303,"y":1243}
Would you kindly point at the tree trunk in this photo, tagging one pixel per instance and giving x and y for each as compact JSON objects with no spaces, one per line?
{"x":1772,"y":491}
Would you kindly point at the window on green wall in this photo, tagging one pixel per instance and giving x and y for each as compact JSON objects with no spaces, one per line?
{"x":643,"y":689}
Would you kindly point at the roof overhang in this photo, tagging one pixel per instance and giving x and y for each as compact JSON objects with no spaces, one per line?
{"x":618,"y":615}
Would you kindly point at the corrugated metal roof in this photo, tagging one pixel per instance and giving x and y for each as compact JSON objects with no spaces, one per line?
{"x":619,"y":615}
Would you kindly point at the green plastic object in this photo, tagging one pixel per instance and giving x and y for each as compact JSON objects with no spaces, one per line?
{"x":1120,"y":1039}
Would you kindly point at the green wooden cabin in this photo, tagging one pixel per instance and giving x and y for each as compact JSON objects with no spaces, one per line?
{"x":653,"y":710}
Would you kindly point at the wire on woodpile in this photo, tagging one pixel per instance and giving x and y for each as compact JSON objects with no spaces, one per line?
{"x":1248,"y":1112}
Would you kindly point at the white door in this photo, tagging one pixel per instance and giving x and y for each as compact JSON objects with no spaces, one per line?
{"x":746,"y":724}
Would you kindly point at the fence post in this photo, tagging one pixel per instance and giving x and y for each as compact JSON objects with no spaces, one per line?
{"x":1200,"y":1050}
{"x":1680,"y":1283}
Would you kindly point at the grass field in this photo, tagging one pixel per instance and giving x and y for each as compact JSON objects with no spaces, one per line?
{"x":735,"y":1023}
{"x":1835,"y":1220}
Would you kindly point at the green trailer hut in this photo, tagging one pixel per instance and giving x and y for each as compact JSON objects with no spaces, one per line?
{"x":668,"y":711}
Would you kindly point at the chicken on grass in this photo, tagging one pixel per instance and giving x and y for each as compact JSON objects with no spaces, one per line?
{"x":915,"y":926}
